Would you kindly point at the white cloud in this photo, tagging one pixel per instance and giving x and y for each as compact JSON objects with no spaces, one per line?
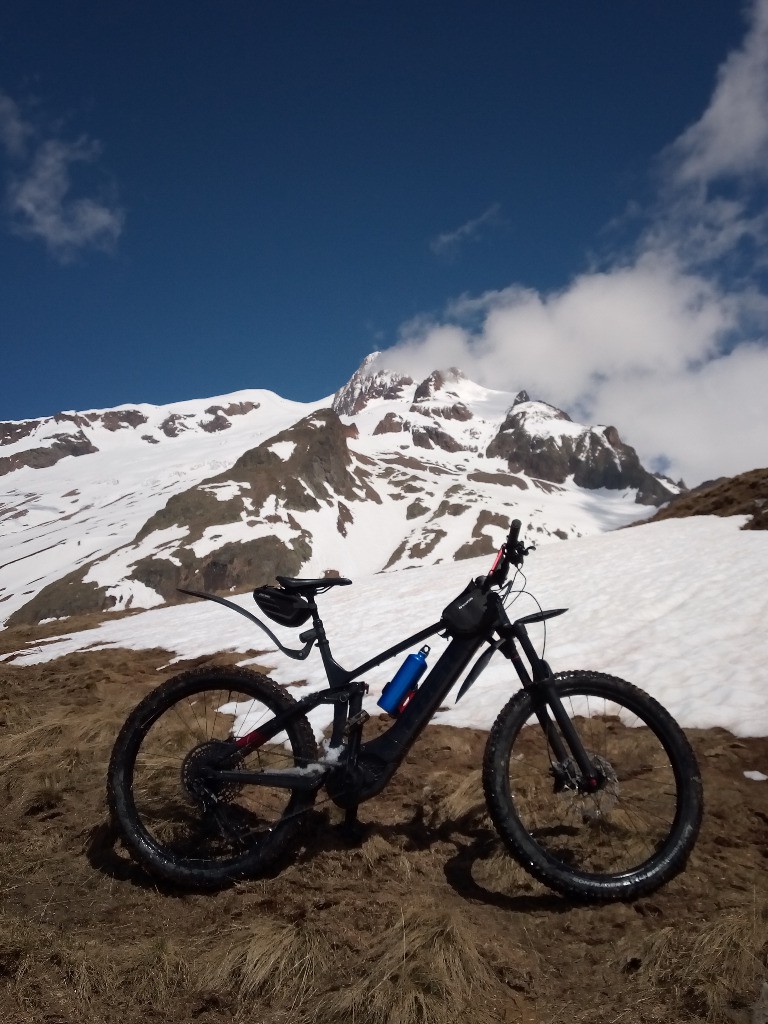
{"x":449,"y":243}
{"x":41,"y":195}
{"x":731,"y":137}
{"x":670,"y":344}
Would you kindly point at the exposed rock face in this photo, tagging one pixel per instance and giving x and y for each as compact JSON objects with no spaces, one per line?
{"x":119,"y":419}
{"x":51,"y":444}
{"x":217,"y":422}
{"x":173,"y":425}
{"x":60,"y":447}
{"x":67,"y":596}
{"x":436,"y":478}
{"x":531,"y":443}
{"x":390,"y":424}
{"x":364,"y":386}
{"x":438,"y":380}
{"x":537,"y":456}
{"x":482,"y":542}
{"x":261,"y":486}
{"x":10,"y":433}
{"x":431,"y":434}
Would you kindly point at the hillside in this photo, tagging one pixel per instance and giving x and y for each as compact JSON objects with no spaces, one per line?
{"x":742,"y":495}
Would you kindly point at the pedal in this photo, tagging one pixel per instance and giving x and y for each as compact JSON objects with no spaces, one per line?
{"x":355,"y":721}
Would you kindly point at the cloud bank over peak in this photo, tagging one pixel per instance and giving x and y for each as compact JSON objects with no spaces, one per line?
{"x":671,"y":340}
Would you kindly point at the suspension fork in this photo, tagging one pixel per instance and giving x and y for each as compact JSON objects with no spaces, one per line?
{"x":543,"y":689}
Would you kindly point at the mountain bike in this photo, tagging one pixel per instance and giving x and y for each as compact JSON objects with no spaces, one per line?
{"x":589,"y":781}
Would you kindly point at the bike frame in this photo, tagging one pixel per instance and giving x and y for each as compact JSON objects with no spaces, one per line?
{"x":383,"y":754}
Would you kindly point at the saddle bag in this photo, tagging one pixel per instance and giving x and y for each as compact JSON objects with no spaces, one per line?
{"x":280,"y":606}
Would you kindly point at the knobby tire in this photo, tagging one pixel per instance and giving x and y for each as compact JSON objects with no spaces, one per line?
{"x":174,"y":820}
{"x":620,"y":843}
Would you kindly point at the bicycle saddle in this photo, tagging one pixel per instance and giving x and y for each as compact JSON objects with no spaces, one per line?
{"x":296,"y":586}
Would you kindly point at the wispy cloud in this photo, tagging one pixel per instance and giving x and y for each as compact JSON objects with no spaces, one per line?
{"x":14,"y":131}
{"x":43,"y":201}
{"x":450,"y":242}
{"x":670,"y":342}
{"x":731,"y":136}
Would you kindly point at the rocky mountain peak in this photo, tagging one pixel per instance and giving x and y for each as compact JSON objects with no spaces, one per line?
{"x":438,"y":380}
{"x":366,"y":384}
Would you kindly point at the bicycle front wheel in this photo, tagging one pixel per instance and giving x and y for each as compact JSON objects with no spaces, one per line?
{"x":175,"y":816}
{"x":619,"y":838}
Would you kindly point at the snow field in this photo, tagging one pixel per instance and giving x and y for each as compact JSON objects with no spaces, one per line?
{"x":678,"y":607}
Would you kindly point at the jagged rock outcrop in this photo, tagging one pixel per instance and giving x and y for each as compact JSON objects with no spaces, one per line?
{"x":366,"y":384}
{"x":534,"y":439}
{"x":437,"y":381}
{"x":390,"y":424}
{"x":430,"y":435}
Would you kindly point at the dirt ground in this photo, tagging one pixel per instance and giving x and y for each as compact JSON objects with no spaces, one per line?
{"x":427,"y":921}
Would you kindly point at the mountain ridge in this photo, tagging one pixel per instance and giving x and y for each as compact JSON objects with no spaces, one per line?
{"x":386,"y":474}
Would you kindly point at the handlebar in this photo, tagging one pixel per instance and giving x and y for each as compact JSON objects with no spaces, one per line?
{"x":512,"y":552}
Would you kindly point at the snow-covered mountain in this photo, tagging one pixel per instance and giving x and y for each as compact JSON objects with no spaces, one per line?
{"x":110,"y":509}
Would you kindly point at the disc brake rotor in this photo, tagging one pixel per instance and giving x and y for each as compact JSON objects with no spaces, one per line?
{"x":593,"y":804}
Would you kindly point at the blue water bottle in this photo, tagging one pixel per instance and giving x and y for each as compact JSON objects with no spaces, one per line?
{"x":402,"y":687}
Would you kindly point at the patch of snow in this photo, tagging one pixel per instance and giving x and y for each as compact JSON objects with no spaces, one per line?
{"x":227,"y":490}
{"x":283,"y":449}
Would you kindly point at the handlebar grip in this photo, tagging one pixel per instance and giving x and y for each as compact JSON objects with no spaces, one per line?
{"x":514,"y":533}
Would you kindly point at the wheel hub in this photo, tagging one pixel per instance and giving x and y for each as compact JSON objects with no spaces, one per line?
{"x":206,"y":789}
{"x":599,"y":793}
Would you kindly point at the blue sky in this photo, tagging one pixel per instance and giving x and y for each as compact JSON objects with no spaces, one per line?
{"x":223,"y":195}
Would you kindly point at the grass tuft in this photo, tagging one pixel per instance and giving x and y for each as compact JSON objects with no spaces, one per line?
{"x":712,"y":972}
{"x":424,"y":969}
{"x":267,"y":959}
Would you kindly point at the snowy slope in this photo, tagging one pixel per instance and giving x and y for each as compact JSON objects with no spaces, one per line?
{"x":118,"y":508}
{"x":677,"y":607}
{"x":62,"y":516}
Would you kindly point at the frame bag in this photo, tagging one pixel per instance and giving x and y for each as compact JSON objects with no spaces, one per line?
{"x":468,"y":613}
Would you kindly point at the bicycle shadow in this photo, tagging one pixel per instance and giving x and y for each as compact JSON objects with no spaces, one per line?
{"x":472,"y":844}
{"x":321,"y":837}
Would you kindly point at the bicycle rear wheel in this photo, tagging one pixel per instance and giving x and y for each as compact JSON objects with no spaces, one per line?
{"x":174,"y":816}
{"x":619,"y":841}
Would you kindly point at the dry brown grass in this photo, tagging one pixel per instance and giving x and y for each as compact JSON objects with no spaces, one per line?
{"x":266,"y":959}
{"x":425,"y":968}
{"x":449,"y":804}
{"x":500,"y":872}
{"x":37,"y":761}
{"x":710,"y":972}
{"x":87,"y":938}
{"x":80,"y":972}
